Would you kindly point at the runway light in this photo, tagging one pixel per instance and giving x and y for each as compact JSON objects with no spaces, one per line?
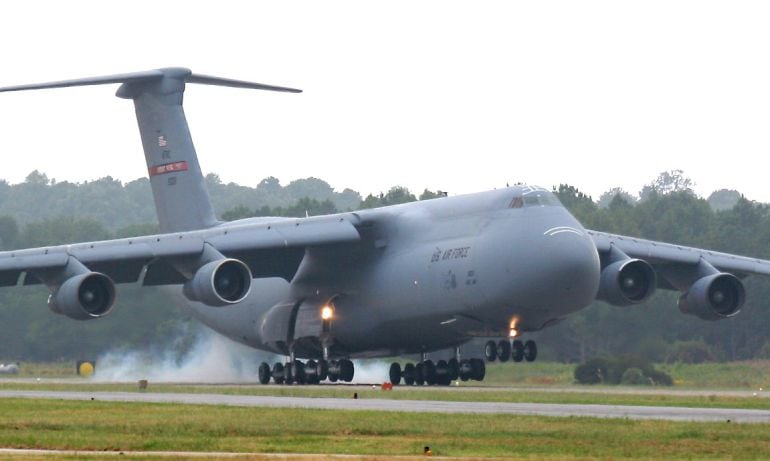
{"x":327,"y":312}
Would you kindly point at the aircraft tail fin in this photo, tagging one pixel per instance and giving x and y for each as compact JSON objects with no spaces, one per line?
{"x":181,"y":199}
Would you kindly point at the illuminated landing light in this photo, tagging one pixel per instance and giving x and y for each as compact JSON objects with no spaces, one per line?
{"x":327,"y":312}
{"x":514,"y":330}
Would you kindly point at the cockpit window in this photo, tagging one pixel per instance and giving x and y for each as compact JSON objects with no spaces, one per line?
{"x":534,"y":198}
{"x":540,"y":199}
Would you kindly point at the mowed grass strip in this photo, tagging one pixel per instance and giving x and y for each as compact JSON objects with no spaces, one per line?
{"x":54,"y":424}
{"x":586,"y":395}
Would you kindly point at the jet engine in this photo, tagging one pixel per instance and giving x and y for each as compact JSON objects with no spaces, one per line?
{"x":84,"y":297}
{"x":219,"y":283}
{"x":626,"y":282}
{"x":714,"y":297}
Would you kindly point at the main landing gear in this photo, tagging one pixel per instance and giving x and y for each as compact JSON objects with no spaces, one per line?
{"x":310,"y":372}
{"x":441,"y":373}
{"x":505,"y":350}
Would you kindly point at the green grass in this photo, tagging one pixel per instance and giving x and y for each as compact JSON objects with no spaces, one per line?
{"x":591,"y":395}
{"x":137,"y":426}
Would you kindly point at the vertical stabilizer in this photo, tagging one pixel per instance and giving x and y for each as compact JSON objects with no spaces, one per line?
{"x":181,"y":199}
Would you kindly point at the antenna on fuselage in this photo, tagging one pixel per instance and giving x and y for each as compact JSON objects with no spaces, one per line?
{"x":179,"y":190}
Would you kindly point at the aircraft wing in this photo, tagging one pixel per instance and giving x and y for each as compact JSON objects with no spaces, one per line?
{"x":269,"y":249}
{"x":666,"y":253}
{"x":679,"y":265}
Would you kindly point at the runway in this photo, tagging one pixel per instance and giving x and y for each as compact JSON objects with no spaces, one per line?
{"x":421,"y":406}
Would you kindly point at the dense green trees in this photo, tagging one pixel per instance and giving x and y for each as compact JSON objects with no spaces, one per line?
{"x":42,"y":211}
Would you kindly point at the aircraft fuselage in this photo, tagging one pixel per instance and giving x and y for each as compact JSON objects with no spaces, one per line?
{"x":425,"y":276}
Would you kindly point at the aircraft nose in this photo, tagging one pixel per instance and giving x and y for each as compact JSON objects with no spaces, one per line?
{"x":565,"y":272}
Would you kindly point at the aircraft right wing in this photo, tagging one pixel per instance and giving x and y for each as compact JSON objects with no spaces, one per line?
{"x":710,"y":281}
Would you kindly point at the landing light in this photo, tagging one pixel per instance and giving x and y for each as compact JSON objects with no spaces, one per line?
{"x":327,"y":312}
{"x":514,"y":330}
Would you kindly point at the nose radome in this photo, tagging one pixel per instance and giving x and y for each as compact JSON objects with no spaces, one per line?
{"x":570,"y":268}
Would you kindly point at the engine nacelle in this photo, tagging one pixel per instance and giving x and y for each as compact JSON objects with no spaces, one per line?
{"x":714,"y":297}
{"x":84,"y":297}
{"x":219,"y":283}
{"x":626,"y":282}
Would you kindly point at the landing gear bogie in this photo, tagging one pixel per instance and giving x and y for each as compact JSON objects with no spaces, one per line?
{"x":311,"y":372}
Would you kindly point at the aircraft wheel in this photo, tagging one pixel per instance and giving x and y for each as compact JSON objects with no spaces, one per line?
{"x":479,"y":369}
{"x":466,"y":370}
{"x":518,"y":351}
{"x":442,"y":373}
{"x":530,"y":351}
{"x":346,"y":370}
{"x":264,"y":373}
{"x":278,"y":373}
{"x":490,"y":351}
{"x":298,"y":372}
{"x":419,"y":376}
{"x":504,"y":350}
{"x":322,"y":369}
{"x":395,"y":373}
{"x":334,"y":371}
{"x":429,"y":372}
{"x":454,"y":369}
{"x":311,"y":372}
{"x":409,"y":374}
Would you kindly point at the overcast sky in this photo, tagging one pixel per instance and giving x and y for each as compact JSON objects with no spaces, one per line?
{"x":457,"y":96}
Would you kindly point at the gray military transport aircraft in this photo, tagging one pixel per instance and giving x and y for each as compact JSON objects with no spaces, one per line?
{"x":404,"y":279}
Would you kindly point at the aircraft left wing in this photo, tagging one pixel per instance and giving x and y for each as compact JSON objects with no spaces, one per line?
{"x":632,"y":268}
{"x":216,"y":265}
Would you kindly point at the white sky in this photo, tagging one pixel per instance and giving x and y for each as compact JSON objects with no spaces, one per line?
{"x":457,"y":96}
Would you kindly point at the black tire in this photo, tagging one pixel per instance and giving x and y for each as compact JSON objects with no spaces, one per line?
{"x":504,"y":350}
{"x":278,"y":373}
{"x":490,"y":351}
{"x":530,"y":351}
{"x":429,"y":372}
{"x":288,"y":376}
{"x":518,"y":351}
{"x":346,"y":370}
{"x":395,"y":373}
{"x":334,"y":371}
{"x":466,"y":370}
{"x":322,"y":369}
{"x":409,"y":374}
{"x":479,"y":369}
{"x":298,"y":372}
{"x":264,"y":373}
{"x":454,"y":369}
{"x":419,"y":377}
{"x":442,"y":373}
{"x":311,"y":372}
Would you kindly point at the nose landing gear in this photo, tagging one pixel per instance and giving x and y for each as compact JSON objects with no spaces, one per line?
{"x":505,"y":350}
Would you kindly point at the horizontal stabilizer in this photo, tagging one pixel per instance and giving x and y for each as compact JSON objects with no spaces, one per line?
{"x":177,"y":73}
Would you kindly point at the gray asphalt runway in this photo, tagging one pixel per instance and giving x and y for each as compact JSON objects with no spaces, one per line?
{"x":423,"y":406}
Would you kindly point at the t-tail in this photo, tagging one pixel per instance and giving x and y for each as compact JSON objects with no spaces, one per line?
{"x":181,"y":199}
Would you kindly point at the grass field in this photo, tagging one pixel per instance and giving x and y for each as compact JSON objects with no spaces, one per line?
{"x":105,"y":426}
{"x":162,"y":427}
